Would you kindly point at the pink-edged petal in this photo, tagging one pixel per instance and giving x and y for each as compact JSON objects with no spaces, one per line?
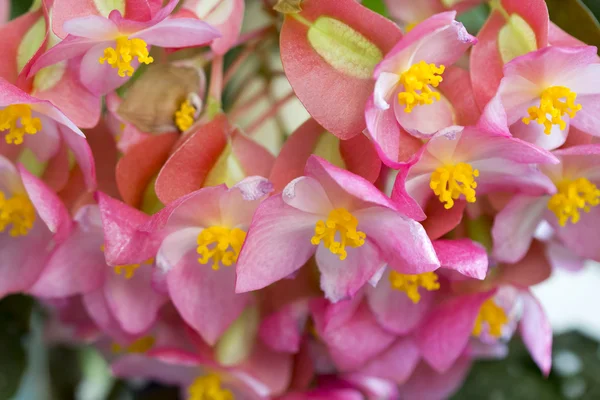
{"x":402,"y":242}
{"x":97,"y":307}
{"x":536,"y":332}
{"x":82,"y":153}
{"x":462,"y":255}
{"x":515,"y":225}
{"x":412,"y":12}
{"x":133,"y":302}
{"x":277,"y":244}
{"x":352,"y":344}
{"x":267,"y":373}
{"x":98,"y":78}
{"x":306,"y":194}
{"x":340,"y":110}
{"x":48,"y":205}
{"x":77,"y":266}
{"x":92,"y":27}
{"x":587,"y":118}
{"x":12,"y":34}
{"x":561,"y":257}
{"x":534,"y":133}
{"x":342,"y":279}
{"x":428,"y":384}
{"x":20,"y":266}
{"x":175,"y":246}
{"x":579,"y":237}
{"x":239,"y":203}
{"x":70,"y":47}
{"x":205,"y":298}
{"x":497,"y":175}
{"x":427,"y":119}
{"x":385,"y":87}
{"x":201,"y":208}
{"x":394,"y":310}
{"x":282,"y":330}
{"x":396,"y":363}
{"x":392,"y":143}
{"x":407,"y":202}
{"x":178,"y":32}
{"x":445,"y":333}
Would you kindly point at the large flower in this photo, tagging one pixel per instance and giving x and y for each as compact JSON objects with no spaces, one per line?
{"x":406,"y":96}
{"x":113,"y":47}
{"x":353,"y":228}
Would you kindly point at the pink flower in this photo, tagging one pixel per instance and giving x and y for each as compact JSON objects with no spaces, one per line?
{"x":348,"y":223}
{"x":464,"y":162}
{"x":411,"y":13}
{"x":406,"y":97}
{"x":572,"y":210}
{"x":40,"y":126}
{"x":119,"y":43}
{"x":546,"y":91}
{"x":197,"y":240}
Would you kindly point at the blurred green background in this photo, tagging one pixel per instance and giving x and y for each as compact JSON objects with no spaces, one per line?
{"x":31,"y":371}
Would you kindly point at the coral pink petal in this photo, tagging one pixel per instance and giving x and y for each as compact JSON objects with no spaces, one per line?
{"x":532,"y":269}
{"x":12,"y":34}
{"x":457,"y":88}
{"x":536,"y":332}
{"x":140,"y":164}
{"x":360,"y":157}
{"x":340,"y":111}
{"x":254,"y":158}
{"x":440,"y":220}
{"x":186,"y":169}
{"x":282,"y":330}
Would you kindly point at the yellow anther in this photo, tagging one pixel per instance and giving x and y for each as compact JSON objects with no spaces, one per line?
{"x":130,"y":268}
{"x":208,"y":387}
{"x":18,"y":212}
{"x":140,"y":346}
{"x":409,"y":27}
{"x":410,"y":284}
{"x":450,"y":181}
{"x":221,"y":245}
{"x":555,"y":102}
{"x":417,"y":81}
{"x":343,"y":222}
{"x":493,"y":315}
{"x":572,"y":197}
{"x":18,"y":121}
{"x":184,"y":117}
{"x":122,"y":55}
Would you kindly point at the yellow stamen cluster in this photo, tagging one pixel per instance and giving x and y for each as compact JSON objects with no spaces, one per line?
{"x":18,"y":212}
{"x":129,"y":270}
{"x":410,"y":284}
{"x":572,"y":197}
{"x":184,"y":117}
{"x":450,"y":181}
{"x":340,"y":221}
{"x":140,"y":346}
{"x":208,"y":387}
{"x":555,"y":102}
{"x":125,"y":50}
{"x":17,"y":120}
{"x":417,"y":81}
{"x":493,"y":315}
{"x":221,"y":245}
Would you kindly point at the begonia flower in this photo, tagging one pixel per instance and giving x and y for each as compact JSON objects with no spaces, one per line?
{"x":406,"y":95}
{"x":351,"y":227}
{"x":112,"y":47}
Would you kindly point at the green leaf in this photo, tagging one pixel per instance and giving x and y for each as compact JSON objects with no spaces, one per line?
{"x":376,"y":5}
{"x":474,"y":19}
{"x":344,"y":48}
{"x":576,"y":19}
{"x":19,"y":7}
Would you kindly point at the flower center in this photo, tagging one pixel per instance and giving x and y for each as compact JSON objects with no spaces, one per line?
{"x":121,"y":56}
{"x":450,"y":181}
{"x":140,"y":346}
{"x":573,"y":196}
{"x":129,"y":270}
{"x":221,"y":245}
{"x":416,"y":82}
{"x":410,"y":284}
{"x":555,"y":102}
{"x":184,"y":117}
{"x":18,"y":212}
{"x":493,"y":315}
{"x":340,"y":221}
{"x":18,"y":121}
{"x":208,"y":387}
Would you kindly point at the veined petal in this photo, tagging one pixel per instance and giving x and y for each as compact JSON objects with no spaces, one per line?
{"x":178,"y":32}
{"x":464,"y":256}
{"x":306,"y":194}
{"x":92,"y":27}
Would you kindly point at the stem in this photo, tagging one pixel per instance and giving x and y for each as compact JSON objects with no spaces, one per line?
{"x":255,"y":34}
{"x":269,"y":113}
{"x":215,"y":89}
{"x":240,"y":109}
{"x":238,"y":63}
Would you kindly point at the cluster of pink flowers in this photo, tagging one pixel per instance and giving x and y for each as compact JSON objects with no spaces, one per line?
{"x":389,"y":242}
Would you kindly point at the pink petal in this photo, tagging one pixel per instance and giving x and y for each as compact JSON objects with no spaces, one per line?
{"x":133,"y":302}
{"x":534,"y":133}
{"x":178,"y":32}
{"x":428,"y":384}
{"x":361,"y":157}
{"x":445,"y":333}
{"x":412,"y":12}
{"x":457,"y":89}
{"x":579,"y":237}
{"x":282,"y":330}
{"x":277,"y":244}
{"x":254,"y":158}
{"x":70,"y":47}
{"x":587,"y":119}
{"x":439,"y":220}
{"x":341,"y":279}
{"x":12,"y":34}
{"x":240,"y":202}
{"x":427,"y":119}
{"x":82,"y":153}
{"x":306,"y":194}
{"x":394,"y":310}
{"x":532,"y":269}
{"x":464,"y":256}
{"x":515,"y":225}
{"x":100,"y":79}
{"x":267,"y":372}
{"x":536,"y":332}
{"x":97,"y":307}
{"x":340,"y":110}
{"x":92,"y":27}
{"x":402,"y":242}
{"x":143,"y":366}
{"x":396,"y":363}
